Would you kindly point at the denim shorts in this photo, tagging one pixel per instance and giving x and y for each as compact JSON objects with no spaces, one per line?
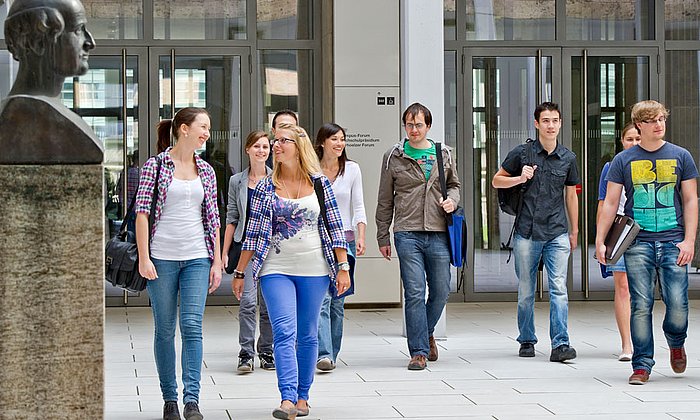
{"x":618,"y":266}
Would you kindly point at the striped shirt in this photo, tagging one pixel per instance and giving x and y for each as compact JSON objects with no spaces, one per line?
{"x":144,"y":195}
{"x":259,"y":233}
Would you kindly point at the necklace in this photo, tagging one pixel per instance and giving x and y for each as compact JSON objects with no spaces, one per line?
{"x":289,"y":195}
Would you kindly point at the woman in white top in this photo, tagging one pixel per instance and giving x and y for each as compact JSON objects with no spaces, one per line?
{"x":184,"y":259}
{"x":346,"y":180}
{"x":630,"y":137}
{"x":294,"y":248}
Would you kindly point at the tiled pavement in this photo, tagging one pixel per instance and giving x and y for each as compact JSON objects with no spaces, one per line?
{"x":477,"y":376}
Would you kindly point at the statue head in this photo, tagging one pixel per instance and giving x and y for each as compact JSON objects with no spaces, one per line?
{"x":50,"y":37}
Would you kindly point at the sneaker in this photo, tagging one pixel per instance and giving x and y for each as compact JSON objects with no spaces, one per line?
{"x":526,"y":350}
{"x":678,"y":360}
{"x":267,"y":361}
{"x":562,"y":353}
{"x":433,"y":356}
{"x":417,"y":362}
{"x":624,"y":357}
{"x":170,"y":411}
{"x":191,"y":411}
{"x":639,"y":377}
{"x":245,"y":363}
{"x":325,"y":364}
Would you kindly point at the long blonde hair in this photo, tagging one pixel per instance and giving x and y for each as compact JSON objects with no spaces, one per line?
{"x":308,"y":161}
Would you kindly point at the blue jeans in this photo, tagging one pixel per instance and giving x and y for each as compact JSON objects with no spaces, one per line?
{"x":647,"y":261}
{"x":330,"y":323}
{"x":294,"y":303}
{"x":555,"y":254}
{"x":189,"y":279}
{"x":424,"y":257}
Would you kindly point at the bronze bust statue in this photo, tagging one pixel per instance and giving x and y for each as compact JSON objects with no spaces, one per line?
{"x":51,"y":42}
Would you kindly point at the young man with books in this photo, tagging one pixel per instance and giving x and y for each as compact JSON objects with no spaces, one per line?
{"x":661,"y":190}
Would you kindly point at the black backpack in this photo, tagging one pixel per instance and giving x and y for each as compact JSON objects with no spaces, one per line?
{"x":510,"y":200}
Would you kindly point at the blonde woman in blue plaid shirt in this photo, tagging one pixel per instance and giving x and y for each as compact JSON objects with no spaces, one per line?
{"x":294,"y":257}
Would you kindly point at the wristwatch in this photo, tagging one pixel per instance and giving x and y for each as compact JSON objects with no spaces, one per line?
{"x":344,"y":266}
{"x":238,"y":274}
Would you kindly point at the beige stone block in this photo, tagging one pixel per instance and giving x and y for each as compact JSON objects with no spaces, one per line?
{"x":51,"y":291}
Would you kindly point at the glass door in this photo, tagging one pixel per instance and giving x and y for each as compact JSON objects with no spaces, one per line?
{"x":212,"y":79}
{"x":601,"y":87}
{"x":504,"y":91}
{"x":107,"y":98}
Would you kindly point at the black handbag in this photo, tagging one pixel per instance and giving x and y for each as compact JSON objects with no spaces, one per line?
{"x":121,"y":253}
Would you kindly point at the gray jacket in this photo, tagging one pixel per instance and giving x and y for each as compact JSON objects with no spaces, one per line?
{"x":408,"y":199}
{"x":238,"y":202}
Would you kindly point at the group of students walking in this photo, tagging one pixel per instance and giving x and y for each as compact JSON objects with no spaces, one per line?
{"x":302,"y":222}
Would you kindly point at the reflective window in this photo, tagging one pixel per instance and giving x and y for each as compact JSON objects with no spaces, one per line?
{"x":451,"y":98}
{"x":450,"y":20}
{"x":291,"y":19}
{"x":116,"y":19}
{"x":199,"y":19}
{"x":609,"y":21}
{"x":683,"y":100}
{"x":682,"y":20}
{"x":8,"y":72}
{"x":286,"y":83}
{"x":510,"y":20}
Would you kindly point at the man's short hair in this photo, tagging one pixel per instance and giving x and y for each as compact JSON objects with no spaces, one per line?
{"x":285,"y":112}
{"x":546,"y":106}
{"x":28,"y":28}
{"x":647,"y":110}
{"x":415,"y":109}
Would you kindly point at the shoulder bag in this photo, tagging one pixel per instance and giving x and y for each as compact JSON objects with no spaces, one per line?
{"x":121,"y":253}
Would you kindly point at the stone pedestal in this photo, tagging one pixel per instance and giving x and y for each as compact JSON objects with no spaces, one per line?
{"x":51,"y":291}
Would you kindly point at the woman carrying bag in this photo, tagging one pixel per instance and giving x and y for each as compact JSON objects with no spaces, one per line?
{"x":184,"y":259}
{"x":297,"y":260}
{"x":240,"y":189}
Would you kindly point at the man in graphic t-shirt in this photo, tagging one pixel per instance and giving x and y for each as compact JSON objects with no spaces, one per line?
{"x":410,"y":196}
{"x":661,"y":190}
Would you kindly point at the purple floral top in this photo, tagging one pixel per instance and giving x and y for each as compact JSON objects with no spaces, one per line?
{"x":144,"y":195}
{"x":260,"y":235}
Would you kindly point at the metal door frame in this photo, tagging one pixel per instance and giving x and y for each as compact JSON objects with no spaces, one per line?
{"x":654,"y":89}
{"x":465,"y":155}
{"x":247,"y":104}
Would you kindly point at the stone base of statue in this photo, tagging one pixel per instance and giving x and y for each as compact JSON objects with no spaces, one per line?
{"x":51,"y":291}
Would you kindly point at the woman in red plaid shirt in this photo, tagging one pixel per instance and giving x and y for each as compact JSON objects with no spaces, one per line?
{"x":184,"y":258}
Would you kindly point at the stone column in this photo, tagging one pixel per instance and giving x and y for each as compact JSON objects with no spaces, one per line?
{"x":51,"y":291}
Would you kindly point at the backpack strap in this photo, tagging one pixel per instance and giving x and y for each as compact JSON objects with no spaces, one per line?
{"x":318,"y":188}
{"x":529,"y":153}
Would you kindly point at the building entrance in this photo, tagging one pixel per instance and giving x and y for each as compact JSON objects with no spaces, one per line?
{"x":595,"y":90}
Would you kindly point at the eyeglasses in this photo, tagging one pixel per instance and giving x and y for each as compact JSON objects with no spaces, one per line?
{"x":282,"y":140}
{"x":410,"y":127}
{"x":659,"y":120}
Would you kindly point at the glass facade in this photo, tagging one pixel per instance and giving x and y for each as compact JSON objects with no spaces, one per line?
{"x":121,"y":19}
{"x":609,"y":20}
{"x":289,"y":19}
{"x":508,"y":20}
{"x":682,"y":20}
{"x":199,"y":19}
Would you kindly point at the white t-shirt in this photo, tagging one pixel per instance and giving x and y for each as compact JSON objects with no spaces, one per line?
{"x":348,"y":194}
{"x":295,"y":245}
{"x":180,"y":232}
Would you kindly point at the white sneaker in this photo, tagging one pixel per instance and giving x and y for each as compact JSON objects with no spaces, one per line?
{"x":325,"y":364}
{"x":624,"y":357}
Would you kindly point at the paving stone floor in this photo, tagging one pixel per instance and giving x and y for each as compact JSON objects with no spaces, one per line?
{"x":478,"y":375}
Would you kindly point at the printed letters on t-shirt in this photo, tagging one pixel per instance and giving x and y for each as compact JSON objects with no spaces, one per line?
{"x":654,"y":194}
